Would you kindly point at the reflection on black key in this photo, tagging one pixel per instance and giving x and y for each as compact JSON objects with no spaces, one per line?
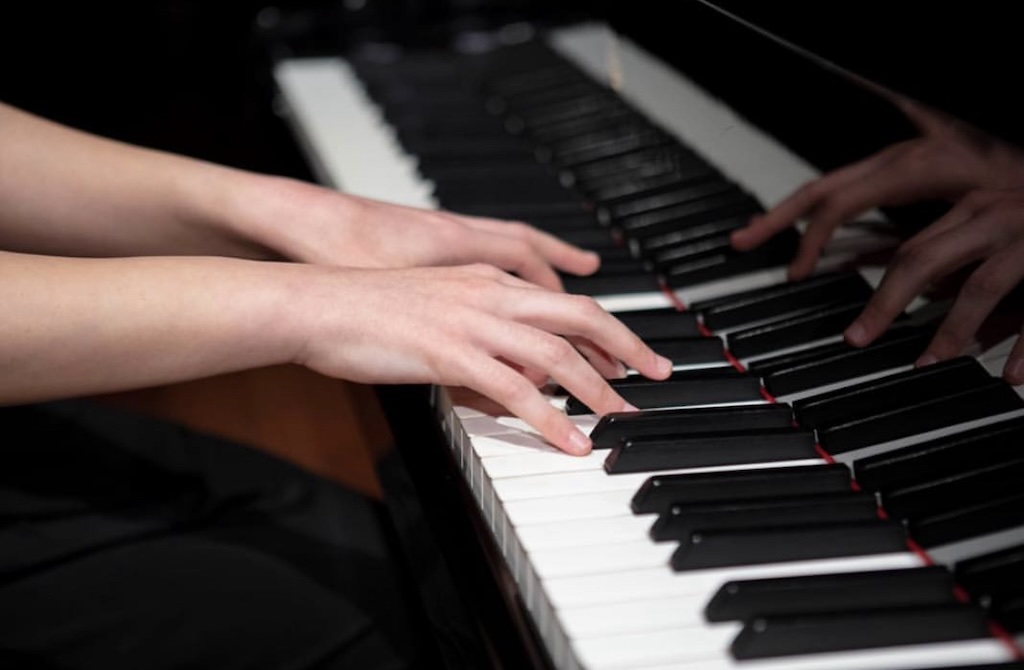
{"x":683,"y":388}
{"x":682,"y":521}
{"x":766,"y":637}
{"x":613,"y":428}
{"x":836,"y":362}
{"x":920,"y":416}
{"x":650,"y":246}
{"x":813,"y":324}
{"x":691,"y":350}
{"x":681,"y":195}
{"x":777,"y":252}
{"x":774,"y":302}
{"x":653,"y":453}
{"x":746,"y":599}
{"x":996,"y":572}
{"x":996,"y":513}
{"x":941,"y":457}
{"x":670,"y":219}
{"x":660,"y":324}
{"x":658,"y":493}
{"x":612,"y":284}
{"x":721,"y":547}
{"x":891,"y":391}
{"x":970,"y":487}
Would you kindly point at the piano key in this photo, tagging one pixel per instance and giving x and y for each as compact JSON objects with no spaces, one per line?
{"x":613,"y":428}
{"x":727,"y":204}
{"x":774,"y":302}
{"x":718,"y":547}
{"x":684,"y":194}
{"x":647,"y":247}
{"x":991,"y":573}
{"x":813,"y":324}
{"x":653,"y":452}
{"x":995,"y":513}
{"x":682,"y":521}
{"x":776,"y":252}
{"x":611,"y":284}
{"x":992,"y":398}
{"x":951,"y":491}
{"x":821,"y":366}
{"x":691,"y":350}
{"x":659,"y":492}
{"x":743,"y":600}
{"x":824,"y":632}
{"x":682,"y":388}
{"x":661,"y":324}
{"x":941,"y":378}
{"x":941,"y":457}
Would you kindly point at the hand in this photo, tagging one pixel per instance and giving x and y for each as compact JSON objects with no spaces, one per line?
{"x":985,"y":226}
{"x":318,"y":225}
{"x":949,"y":159}
{"x":472,"y":326}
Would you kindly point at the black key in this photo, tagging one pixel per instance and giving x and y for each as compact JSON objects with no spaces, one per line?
{"x":967,"y":488}
{"x":658,"y":493}
{"x":920,"y":416}
{"x":681,"y":195}
{"x":594,"y":239}
{"x":612,"y":284}
{"x":682,"y":521}
{"x":607,"y":149}
{"x":813,"y":324}
{"x":626,"y":189}
{"x":723,"y":547}
{"x":649,"y":246}
{"x":669,"y":219}
{"x":995,"y":513}
{"x":655,"y":160}
{"x":688,"y":252}
{"x":613,"y":428}
{"x":823,"y":632}
{"x":1010,"y":614}
{"x":838,"y":361}
{"x":660,"y":324}
{"x":777,"y":252}
{"x":941,"y":457}
{"x":728,"y":447}
{"x":996,"y":572}
{"x":691,"y":350}
{"x":892,"y":391}
{"x":682,"y":388}
{"x":774,"y":302}
{"x":882,"y":589}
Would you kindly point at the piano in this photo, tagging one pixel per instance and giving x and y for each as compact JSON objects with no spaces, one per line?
{"x":783,"y":501}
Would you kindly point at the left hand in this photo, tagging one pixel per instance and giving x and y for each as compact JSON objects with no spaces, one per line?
{"x":319,"y":225}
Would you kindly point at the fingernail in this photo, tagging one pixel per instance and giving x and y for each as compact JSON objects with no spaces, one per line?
{"x":925,"y":360}
{"x":579,"y":443}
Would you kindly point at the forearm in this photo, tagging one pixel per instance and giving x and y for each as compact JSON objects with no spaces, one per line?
{"x":85,"y":326}
{"x":65,"y":192}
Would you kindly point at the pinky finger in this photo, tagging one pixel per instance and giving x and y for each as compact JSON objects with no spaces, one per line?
{"x":1013,"y":372}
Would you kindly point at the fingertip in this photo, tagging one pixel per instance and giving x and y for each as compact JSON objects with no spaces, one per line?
{"x":926,"y":359}
{"x":856,"y":334}
{"x":579,"y":444}
{"x":663,"y":367}
{"x":1013,"y":373}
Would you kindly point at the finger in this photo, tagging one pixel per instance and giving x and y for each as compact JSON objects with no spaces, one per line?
{"x":981,"y":293}
{"x":520,"y":397}
{"x":913,"y":267}
{"x":514,"y":256}
{"x":558,"y":253}
{"x":605,"y":364}
{"x":967,"y":208}
{"x":582,"y":317}
{"x":1013,"y":371}
{"x":806,"y":199}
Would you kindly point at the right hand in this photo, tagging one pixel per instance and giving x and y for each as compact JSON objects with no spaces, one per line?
{"x":473,"y":326}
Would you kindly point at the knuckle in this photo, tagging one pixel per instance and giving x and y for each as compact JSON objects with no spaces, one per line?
{"x":556,"y":352}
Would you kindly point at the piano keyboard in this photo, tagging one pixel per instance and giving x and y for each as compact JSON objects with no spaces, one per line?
{"x":783,"y":501}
